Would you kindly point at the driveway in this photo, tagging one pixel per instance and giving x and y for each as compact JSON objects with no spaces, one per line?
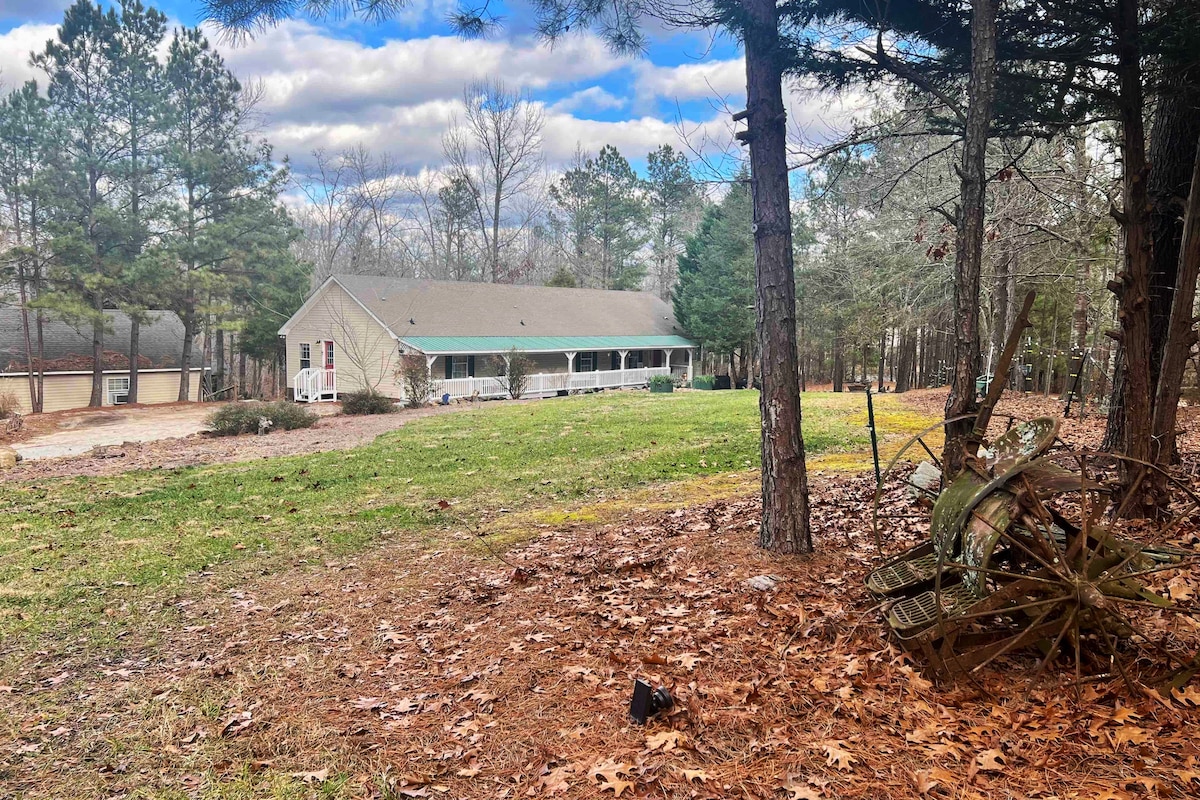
{"x":79,"y":432}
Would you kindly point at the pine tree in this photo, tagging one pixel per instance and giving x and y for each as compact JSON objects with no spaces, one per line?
{"x":88,"y":247}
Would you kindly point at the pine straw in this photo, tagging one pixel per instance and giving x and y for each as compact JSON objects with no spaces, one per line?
{"x":468,"y":673}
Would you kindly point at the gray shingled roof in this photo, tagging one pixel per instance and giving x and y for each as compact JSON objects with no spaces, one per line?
{"x":450,"y":308}
{"x":160,"y":341}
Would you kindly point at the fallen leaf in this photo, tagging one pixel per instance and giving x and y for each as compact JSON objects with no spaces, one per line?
{"x":990,"y":760}
{"x":319,"y":776}
{"x":836,"y":755}
{"x":664,"y":740}
{"x":608,"y":775}
{"x":690,"y":775}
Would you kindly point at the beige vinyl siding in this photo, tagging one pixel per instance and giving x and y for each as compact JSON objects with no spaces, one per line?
{"x":64,"y":392}
{"x":363,"y":350}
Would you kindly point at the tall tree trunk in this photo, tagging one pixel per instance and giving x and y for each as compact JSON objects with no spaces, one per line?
{"x":968,"y":255}
{"x":839,"y":363}
{"x":883,"y":337}
{"x":134,"y":354}
{"x":1181,"y":333}
{"x":1172,"y":155}
{"x":97,"y":398}
{"x":185,"y":358}
{"x":785,"y":517}
{"x":1132,"y":284}
{"x":23,"y":292}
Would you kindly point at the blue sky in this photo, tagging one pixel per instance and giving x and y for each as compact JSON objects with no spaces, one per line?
{"x":395,"y":87}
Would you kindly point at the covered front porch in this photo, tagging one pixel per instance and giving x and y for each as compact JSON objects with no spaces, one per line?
{"x":463,"y":367}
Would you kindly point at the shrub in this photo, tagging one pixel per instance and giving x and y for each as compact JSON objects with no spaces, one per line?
{"x":704,"y":382}
{"x":8,"y":405}
{"x":512,"y":371}
{"x":414,"y":376}
{"x":367,"y":402}
{"x":661,"y":382}
{"x":236,"y":418}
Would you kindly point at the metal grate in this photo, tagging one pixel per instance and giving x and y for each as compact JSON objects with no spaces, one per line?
{"x":892,"y":578}
{"x":916,"y":613}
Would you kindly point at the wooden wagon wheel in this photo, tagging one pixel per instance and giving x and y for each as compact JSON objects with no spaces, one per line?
{"x":1067,"y":575}
{"x":886,"y":519}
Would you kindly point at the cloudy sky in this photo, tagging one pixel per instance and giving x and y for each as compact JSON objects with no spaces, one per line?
{"x":396,"y":87}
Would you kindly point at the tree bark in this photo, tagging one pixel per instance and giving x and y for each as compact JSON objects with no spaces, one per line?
{"x":968,"y":256}
{"x":185,"y":358}
{"x":1132,"y":284}
{"x":134,"y":354}
{"x":785,"y":513}
{"x":97,"y":398}
{"x":1181,"y":333}
{"x":1172,"y":156}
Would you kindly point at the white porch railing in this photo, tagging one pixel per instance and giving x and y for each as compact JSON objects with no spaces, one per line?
{"x":312,"y":385}
{"x":547,"y":383}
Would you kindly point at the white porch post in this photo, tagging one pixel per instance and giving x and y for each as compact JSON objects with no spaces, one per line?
{"x":429,"y":367}
{"x":689,"y":372}
{"x":667,"y":351}
{"x":621,"y":377}
{"x":570,"y":362}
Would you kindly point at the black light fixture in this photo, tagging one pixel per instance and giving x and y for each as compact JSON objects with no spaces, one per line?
{"x":647,"y":702}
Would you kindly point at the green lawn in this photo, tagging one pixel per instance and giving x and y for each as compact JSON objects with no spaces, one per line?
{"x":94,"y":556}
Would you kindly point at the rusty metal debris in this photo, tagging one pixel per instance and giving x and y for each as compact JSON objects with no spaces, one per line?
{"x":1033,"y":557}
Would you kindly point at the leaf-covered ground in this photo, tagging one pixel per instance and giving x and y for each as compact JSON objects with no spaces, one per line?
{"x":501,"y":666}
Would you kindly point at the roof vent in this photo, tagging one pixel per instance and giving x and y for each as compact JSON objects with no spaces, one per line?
{"x":522,"y":322}
{"x":412,"y":321}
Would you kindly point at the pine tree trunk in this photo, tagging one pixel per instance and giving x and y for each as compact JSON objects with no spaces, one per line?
{"x":97,"y":398}
{"x":1172,"y":156}
{"x":185,"y":358}
{"x":968,"y":256}
{"x":1132,"y":285}
{"x":1181,"y":333}
{"x":134,"y":354}
{"x":785,"y":517}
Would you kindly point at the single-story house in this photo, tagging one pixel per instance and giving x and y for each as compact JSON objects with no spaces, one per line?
{"x":67,"y":361}
{"x":352,"y":331}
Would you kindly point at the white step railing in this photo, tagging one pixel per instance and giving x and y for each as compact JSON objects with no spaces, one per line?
{"x":312,"y":385}
{"x":547,"y":383}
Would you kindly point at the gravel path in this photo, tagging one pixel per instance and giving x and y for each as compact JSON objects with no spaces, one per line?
{"x":107,"y":453}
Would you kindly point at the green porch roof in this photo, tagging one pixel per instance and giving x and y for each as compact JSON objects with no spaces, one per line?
{"x":436,"y":345}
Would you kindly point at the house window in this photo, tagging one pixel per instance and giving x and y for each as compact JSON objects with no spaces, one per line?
{"x":459,"y":367}
{"x":118,"y":391}
{"x":305,"y":356}
{"x":587,"y":362}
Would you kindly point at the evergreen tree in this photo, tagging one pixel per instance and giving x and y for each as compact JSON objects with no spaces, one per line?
{"x":673,"y":200}
{"x":714,"y":299}
{"x":88,"y":247}
{"x":27,"y":148}
{"x":141,"y":117}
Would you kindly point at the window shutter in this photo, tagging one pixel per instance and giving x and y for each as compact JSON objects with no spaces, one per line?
{"x":613,"y":361}
{"x":596,"y":359}
{"x":449,"y":364}
{"x":470,"y":366}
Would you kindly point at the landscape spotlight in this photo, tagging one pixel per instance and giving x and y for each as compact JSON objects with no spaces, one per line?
{"x":647,"y":702}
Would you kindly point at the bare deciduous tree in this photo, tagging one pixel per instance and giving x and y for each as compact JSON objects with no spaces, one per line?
{"x":512,"y":371}
{"x":496,"y":150}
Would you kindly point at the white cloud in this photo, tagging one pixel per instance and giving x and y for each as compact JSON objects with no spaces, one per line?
{"x":699,"y":80}
{"x":307,"y":73}
{"x":592,"y":98}
{"x":15,"y":47}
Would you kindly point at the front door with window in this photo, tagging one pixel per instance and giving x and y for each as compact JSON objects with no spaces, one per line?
{"x":327,"y":353}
